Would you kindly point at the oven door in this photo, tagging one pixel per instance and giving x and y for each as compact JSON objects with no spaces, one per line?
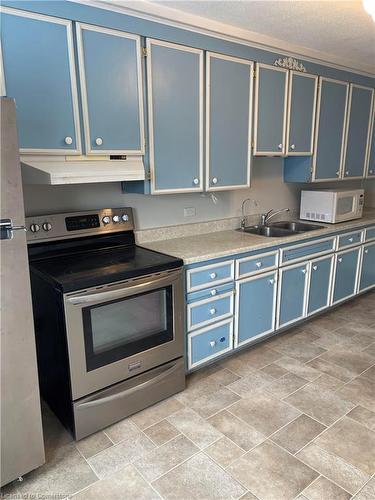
{"x":120,"y":330}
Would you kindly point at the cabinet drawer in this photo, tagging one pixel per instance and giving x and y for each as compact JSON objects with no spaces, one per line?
{"x":212,"y":274}
{"x":247,"y":266}
{"x":209,"y":292}
{"x":209,"y":343}
{"x":208,"y":311}
{"x":349,"y":239}
{"x":370,"y":233}
{"x":306,"y":250}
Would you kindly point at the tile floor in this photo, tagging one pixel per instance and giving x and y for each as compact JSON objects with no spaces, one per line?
{"x":293,"y":418}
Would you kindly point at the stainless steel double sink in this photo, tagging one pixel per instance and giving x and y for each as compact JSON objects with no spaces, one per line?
{"x":281,"y":229}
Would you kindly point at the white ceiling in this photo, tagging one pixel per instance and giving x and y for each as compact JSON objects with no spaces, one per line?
{"x":335,"y":31}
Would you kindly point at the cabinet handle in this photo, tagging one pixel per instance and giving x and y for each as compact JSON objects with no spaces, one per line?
{"x":258,"y":264}
{"x":213,"y":343}
{"x":195,"y":180}
{"x":214,"y":180}
{"x":370,"y":171}
{"x":212,"y":311}
{"x":347,"y":172}
{"x":351,"y":240}
{"x":272,"y":281}
{"x":213,"y":276}
{"x":68,"y":140}
{"x":339,"y":259}
{"x":98,"y":141}
{"x":213,"y":292}
{"x":338,"y":173}
{"x":304,"y":271}
{"x":366,"y":251}
{"x":315,"y":268}
{"x":293,"y":146}
{"x":222,"y":339}
{"x":280,"y":146}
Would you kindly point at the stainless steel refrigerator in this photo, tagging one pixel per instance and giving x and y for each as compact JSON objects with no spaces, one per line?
{"x":22,"y":448}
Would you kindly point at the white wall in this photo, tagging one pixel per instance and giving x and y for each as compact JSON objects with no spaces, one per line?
{"x":267,"y":188}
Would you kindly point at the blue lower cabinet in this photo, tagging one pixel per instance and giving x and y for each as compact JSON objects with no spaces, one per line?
{"x":204,"y":312}
{"x":210,"y":342}
{"x":345,"y":274}
{"x":256,"y":307}
{"x":367,"y":276}
{"x":292,"y":294}
{"x":320,"y":284}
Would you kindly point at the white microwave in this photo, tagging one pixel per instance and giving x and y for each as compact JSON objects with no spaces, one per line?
{"x":332,"y":205}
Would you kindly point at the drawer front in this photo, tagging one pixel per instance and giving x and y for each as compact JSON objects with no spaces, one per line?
{"x":349,"y":239}
{"x":370,"y":234}
{"x":209,"y":343}
{"x":301,"y":252}
{"x":255,"y":264}
{"x":208,"y":293}
{"x":208,"y":311}
{"x":207,"y":276}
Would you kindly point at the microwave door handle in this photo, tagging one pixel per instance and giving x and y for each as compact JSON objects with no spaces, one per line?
{"x":121,"y":292}
{"x":131,"y":390}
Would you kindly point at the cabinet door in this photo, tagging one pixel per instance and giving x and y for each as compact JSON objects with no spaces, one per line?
{"x":111,"y":87}
{"x":39,"y":74}
{"x":329,"y":135}
{"x":228,"y":122}
{"x":357,"y":130}
{"x":270,"y":110}
{"x":292,"y":294}
{"x":345,"y":282}
{"x":371,"y":151}
{"x":320,"y":284}
{"x":255,"y":307}
{"x":175,"y":108}
{"x":301,"y":113}
{"x":367,"y":276}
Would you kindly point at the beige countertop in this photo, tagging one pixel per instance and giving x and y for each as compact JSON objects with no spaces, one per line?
{"x":224,"y":243}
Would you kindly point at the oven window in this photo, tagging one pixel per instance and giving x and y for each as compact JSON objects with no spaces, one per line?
{"x":122,"y":328}
{"x":345,"y":205}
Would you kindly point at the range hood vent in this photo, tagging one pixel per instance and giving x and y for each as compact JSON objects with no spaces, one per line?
{"x":81,"y":170}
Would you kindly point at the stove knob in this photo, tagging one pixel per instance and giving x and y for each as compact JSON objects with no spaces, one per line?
{"x":34,"y":228}
{"x":125,"y":217}
{"x":47,"y":226}
{"x":106,"y":220}
{"x":116,"y":218}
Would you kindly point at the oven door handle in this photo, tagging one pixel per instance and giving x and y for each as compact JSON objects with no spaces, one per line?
{"x":124,"y":291}
{"x":131,"y":390}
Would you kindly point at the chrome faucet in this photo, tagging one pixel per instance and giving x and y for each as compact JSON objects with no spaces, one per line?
{"x":243,"y":217}
{"x":267,"y":216}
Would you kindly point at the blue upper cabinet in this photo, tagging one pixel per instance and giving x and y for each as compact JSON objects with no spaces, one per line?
{"x":175,"y":109}
{"x":229,"y":84}
{"x":111,"y":88}
{"x":329,"y":136}
{"x":371,"y":150}
{"x":301,"y":113}
{"x":270,"y":118}
{"x":39,"y":74}
{"x":357,"y":131}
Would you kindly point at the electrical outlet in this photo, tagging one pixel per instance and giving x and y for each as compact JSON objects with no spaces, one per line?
{"x":189,"y":212}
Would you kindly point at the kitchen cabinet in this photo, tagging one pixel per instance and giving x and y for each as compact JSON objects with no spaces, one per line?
{"x":229,"y":83}
{"x":329,"y":136}
{"x":111,"y":87}
{"x":292,"y":294}
{"x":371,"y":150}
{"x":357,"y":131}
{"x":345,"y":274}
{"x":301,"y":113}
{"x":271,"y":91}
{"x":175,"y":113}
{"x":39,"y":73}
{"x":367,"y":274}
{"x":320,"y":284}
{"x":255,"y":307}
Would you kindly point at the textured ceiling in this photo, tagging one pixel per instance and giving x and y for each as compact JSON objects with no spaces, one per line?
{"x":341,"y":29}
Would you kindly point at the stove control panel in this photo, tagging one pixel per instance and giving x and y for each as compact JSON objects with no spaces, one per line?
{"x":75,"y":224}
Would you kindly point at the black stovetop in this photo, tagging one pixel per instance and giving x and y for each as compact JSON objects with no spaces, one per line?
{"x":77,"y":264}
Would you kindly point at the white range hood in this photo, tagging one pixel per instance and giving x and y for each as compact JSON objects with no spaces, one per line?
{"x":80,"y":170}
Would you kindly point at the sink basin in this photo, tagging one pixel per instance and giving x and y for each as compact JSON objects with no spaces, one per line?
{"x":296,"y":226}
{"x":268,"y":231}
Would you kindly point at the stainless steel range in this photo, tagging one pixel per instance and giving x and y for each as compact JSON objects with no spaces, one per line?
{"x":108,"y":318}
